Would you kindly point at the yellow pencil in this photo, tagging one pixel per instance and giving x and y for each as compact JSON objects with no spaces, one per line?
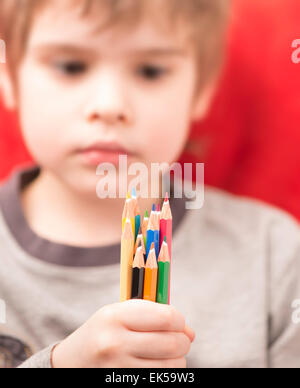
{"x":129,"y":212}
{"x":127,"y":250}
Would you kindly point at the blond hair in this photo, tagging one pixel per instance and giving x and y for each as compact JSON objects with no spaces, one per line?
{"x":205,"y":22}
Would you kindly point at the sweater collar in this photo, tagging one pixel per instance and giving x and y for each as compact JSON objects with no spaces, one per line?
{"x":51,"y":252}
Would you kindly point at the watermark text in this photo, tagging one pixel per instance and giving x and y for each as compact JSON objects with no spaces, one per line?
{"x":296,"y":52}
{"x":2,"y":312}
{"x":2,"y":51}
{"x":152,"y":182}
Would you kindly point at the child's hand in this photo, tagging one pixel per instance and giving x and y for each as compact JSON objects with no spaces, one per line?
{"x":132,"y":334}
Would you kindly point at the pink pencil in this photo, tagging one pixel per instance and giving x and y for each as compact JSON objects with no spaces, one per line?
{"x":166,"y":223}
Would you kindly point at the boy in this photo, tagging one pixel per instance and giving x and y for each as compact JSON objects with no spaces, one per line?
{"x":91,"y":80}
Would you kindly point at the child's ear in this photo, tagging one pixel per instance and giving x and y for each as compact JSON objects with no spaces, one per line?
{"x":202,"y":101}
{"x":6,"y":88}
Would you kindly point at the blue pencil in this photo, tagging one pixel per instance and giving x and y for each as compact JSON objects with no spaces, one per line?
{"x":153,"y":233}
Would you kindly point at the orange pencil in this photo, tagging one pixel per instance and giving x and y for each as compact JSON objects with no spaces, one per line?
{"x":150,"y":283}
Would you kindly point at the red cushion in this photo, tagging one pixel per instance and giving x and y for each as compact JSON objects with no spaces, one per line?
{"x":12,"y":149}
{"x":251,"y":137}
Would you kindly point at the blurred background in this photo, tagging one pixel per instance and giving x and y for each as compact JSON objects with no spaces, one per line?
{"x":250,"y":140}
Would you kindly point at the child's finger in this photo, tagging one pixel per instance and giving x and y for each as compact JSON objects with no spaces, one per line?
{"x":132,"y":362}
{"x":190,"y":333}
{"x":142,"y":315}
{"x":157,"y":345}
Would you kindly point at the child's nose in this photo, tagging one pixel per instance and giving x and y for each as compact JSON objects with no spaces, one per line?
{"x":109,"y":103}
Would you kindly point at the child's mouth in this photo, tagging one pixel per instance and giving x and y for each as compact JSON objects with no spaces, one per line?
{"x":102,"y":153}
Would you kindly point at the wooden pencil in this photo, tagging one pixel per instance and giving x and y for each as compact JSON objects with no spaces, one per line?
{"x":125,"y":212}
{"x":157,"y":232}
{"x":166,"y":224}
{"x":158,"y":212}
{"x":138,"y":273}
{"x":145,"y":227}
{"x":150,"y":232}
{"x":166,"y":230}
{"x":153,"y":233}
{"x":137,"y":212}
{"x":128,"y":212}
{"x":150,"y":283}
{"x":163,"y":281}
{"x":127,"y":247}
{"x":139,"y":239}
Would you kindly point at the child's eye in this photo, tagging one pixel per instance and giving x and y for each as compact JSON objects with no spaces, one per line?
{"x":71,"y":68}
{"x":150,"y":72}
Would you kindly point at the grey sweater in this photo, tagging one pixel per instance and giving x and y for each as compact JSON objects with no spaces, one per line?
{"x":235,"y":274}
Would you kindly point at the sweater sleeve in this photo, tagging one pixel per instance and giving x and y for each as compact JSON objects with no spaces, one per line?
{"x":41,"y":360}
{"x":283,"y":293}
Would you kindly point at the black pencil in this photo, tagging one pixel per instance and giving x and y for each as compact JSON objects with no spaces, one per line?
{"x":138,"y":274}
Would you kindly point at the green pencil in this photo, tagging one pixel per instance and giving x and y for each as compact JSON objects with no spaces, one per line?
{"x":162,"y":294}
{"x":145,"y":227}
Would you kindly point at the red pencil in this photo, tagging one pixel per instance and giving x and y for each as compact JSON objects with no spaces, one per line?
{"x":166,"y":230}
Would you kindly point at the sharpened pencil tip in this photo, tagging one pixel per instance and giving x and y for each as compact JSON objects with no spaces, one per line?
{"x":165,"y":239}
{"x":133,"y":194}
{"x":167,"y":197}
{"x":146,"y":214}
{"x":154,"y":208}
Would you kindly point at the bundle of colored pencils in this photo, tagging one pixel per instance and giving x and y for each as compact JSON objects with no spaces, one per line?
{"x":146,"y":251}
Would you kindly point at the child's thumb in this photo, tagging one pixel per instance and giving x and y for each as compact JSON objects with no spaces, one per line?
{"x":190,"y":333}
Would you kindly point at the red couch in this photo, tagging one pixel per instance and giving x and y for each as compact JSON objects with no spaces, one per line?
{"x":250,"y":139}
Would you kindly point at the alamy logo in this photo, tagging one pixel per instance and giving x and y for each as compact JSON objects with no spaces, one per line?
{"x":159,"y":174}
{"x":296,"y":312}
{"x":2,"y":51}
{"x":2,"y":312}
{"x":296,"y":52}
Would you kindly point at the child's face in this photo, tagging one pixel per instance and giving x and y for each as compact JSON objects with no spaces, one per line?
{"x":78,"y":86}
